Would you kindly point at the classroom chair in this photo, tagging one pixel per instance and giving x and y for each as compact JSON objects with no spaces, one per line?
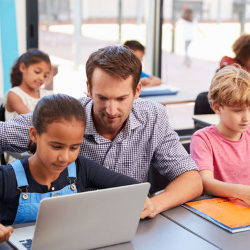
{"x":201,"y":107}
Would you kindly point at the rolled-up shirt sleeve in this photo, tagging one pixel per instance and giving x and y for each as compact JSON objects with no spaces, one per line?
{"x":14,"y":134}
{"x":170,"y":157}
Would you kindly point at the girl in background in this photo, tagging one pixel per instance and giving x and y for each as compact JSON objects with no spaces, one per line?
{"x":28,"y":74}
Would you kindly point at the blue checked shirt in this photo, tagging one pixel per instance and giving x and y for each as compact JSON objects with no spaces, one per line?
{"x":146,"y":140}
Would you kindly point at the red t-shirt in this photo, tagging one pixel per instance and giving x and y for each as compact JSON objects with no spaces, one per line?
{"x":225,"y":61}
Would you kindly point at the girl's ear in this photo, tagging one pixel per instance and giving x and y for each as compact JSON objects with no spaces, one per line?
{"x":216,"y":108}
{"x":33,"y":134}
{"x":22,"y":67}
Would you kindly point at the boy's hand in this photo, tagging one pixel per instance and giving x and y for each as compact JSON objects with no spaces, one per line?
{"x":5,"y":232}
{"x":244,"y":193}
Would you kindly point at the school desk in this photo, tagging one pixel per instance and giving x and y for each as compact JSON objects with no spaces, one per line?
{"x":180,"y":97}
{"x":206,"y":120}
{"x":208,"y":231}
{"x":159,"y":233}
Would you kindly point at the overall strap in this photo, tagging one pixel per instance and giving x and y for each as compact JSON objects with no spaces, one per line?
{"x":20,"y":173}
{"x":72,"y":170}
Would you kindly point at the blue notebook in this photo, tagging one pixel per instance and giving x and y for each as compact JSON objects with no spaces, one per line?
{"x":159,"y":90}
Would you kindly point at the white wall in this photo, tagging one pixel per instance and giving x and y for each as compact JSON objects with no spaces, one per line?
{"x":210,"y":9}
{"x":109,"y":8}
{"x":21,"y":25}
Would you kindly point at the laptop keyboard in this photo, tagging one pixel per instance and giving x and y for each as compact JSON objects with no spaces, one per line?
{"x":26,"y":243}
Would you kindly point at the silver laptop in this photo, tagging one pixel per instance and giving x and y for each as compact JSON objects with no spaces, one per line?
{"x":85,"y":220}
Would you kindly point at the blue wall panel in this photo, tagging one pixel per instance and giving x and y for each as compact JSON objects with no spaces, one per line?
{"x":9,"y":40}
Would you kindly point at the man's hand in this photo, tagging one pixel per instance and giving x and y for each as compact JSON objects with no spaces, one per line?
{"x":185,"y":187}
{"x":149,"y":209}
{"x":5,"y":232}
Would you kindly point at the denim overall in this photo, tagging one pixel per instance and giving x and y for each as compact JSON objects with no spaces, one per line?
{"x":29,"y":202}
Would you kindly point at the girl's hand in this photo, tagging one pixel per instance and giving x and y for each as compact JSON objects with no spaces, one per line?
{"x":5,"y":232}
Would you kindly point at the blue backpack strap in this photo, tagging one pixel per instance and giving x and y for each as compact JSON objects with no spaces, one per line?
{"x":72,"y":170}
{"x":20,"y":173}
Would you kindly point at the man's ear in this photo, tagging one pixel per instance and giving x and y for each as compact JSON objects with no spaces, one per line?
{"x":88,"y":89}
{"x":138,"y":90}
{"x":33,"y":134}
{"x":216,"y":108}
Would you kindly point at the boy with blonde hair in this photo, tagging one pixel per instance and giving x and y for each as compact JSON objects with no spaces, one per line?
{"x":222,"y":152}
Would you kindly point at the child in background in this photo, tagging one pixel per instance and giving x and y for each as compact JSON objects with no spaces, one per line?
{"x":55,"y":168}
{"x":222,"y":152}
{"x":187,"y":25}
{"x":139,"y":50}
{"x":241,"y":49}
{"x":27,"y":76}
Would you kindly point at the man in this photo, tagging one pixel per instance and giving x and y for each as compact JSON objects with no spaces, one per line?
{"x":124,"y":133}
{"x":139,"y":50}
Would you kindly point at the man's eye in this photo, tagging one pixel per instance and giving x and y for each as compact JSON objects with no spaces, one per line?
{"x":56,"y":147}
{"x":102,"y":98}
{"x":74,"y":148}
{"x":121,"y":99}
